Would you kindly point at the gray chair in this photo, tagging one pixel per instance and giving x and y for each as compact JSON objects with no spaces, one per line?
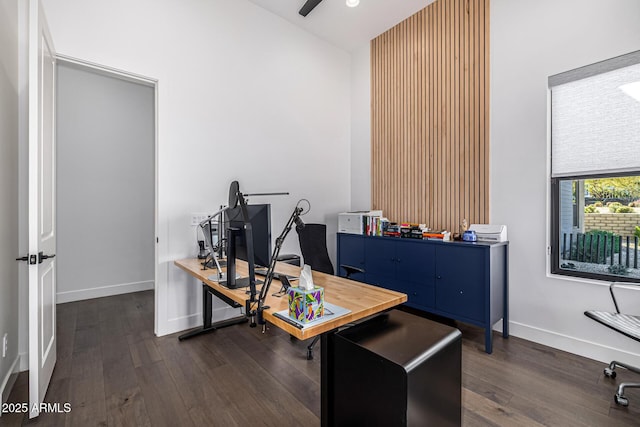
{"x":625,"y":324}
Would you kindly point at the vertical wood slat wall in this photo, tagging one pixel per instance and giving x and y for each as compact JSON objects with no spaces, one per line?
{"x":430,"y":116}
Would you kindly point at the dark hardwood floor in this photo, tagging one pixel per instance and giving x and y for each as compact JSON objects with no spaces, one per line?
{"x":115,"y":372}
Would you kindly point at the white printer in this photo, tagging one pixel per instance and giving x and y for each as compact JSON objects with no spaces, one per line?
{"x":350,"y":222}
{"x":490,"y":233}
{"x":353,"y":222}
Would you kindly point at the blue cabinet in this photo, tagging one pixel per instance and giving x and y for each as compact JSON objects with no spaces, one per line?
{"x":459,"y":280}
{"x":460,"y":274}
{"x":351,"y":254}
{"x":404,"y":266}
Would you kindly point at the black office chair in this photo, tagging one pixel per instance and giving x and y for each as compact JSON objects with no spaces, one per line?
{"x":313,"y":245}
{"x":625,"y":324}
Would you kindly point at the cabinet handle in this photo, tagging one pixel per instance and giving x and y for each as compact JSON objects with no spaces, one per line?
{"x":438,"y":277}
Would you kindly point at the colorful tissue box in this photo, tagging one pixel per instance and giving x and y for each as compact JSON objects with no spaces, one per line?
{"x":305,"y":306}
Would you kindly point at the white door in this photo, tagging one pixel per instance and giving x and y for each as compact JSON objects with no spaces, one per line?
{"x":42,"y":237}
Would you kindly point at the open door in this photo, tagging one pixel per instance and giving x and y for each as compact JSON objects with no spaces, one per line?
{"x":42,"y":219}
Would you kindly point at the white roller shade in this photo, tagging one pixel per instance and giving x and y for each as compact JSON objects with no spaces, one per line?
{"x":595,"y":120}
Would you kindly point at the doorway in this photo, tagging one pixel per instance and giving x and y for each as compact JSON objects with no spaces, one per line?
{"x":106,"y":182}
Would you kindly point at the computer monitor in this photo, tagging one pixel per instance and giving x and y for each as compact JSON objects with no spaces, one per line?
{"x":236,"y":229}
{"x":260,"y":219}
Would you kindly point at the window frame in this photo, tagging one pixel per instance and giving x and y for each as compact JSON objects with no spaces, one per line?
{"x":602,"y":67}
{"x":555,"y":231}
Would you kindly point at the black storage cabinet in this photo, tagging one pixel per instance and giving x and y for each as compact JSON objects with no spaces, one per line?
{"x":396,"y":369}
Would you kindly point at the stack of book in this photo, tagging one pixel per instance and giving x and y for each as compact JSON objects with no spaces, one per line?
{"x":437,"y":235}
{"x":433,"y":235}
{"x":373,"y":224}
{"x":392,"y":230}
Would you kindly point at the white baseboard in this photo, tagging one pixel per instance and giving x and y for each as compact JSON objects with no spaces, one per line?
{"x":9,"y":379}
{"x":103,"y":291}
{"x":183,"y":323}
{"x":588,"y":349}
{"x":24,"y":361}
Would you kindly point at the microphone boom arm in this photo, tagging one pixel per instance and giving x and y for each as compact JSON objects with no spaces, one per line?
{"x":202,"y":225}
{"x":294,"y":218}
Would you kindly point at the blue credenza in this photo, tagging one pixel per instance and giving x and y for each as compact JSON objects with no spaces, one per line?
{"x":464,"y":281}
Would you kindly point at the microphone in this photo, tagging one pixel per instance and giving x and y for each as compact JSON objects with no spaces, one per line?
{"x":299,"y":221}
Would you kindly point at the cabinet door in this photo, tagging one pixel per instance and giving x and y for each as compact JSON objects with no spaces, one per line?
{"x":419,"y":295}
{"x":460,"y":281}
{"x":351,"y":253}
{"x":380,"y":256}
{"x":415,"y":271}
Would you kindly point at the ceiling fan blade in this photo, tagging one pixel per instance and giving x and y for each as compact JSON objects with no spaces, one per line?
{"x":308,"y":7}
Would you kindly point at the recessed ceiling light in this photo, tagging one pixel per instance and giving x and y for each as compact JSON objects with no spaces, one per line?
{"x":353,"y":3}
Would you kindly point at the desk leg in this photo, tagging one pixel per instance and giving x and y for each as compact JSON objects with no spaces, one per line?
{"x":207,"y":311}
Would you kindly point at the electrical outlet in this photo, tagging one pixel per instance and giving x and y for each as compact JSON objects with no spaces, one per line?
{"x":5,"y":345}
{"x":197,"y":218}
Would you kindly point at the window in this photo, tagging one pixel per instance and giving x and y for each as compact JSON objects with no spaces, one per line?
{"x":595,"y":170}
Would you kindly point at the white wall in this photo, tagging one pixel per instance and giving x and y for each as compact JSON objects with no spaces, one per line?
{"x":529,"y":42}
{"x":105,"y":184}
{"x":361,"y":128}
{"x":23,"y":180}
{"x":243,"y":95}
{"x":8,"y":191}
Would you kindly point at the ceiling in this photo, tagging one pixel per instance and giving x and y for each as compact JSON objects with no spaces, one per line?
{"x":346,"y":27}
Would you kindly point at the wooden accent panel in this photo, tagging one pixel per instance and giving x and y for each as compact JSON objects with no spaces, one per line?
{"x":430,"y":116}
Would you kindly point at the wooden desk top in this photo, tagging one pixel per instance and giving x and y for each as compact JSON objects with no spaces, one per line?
{"x":363,"y":300}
